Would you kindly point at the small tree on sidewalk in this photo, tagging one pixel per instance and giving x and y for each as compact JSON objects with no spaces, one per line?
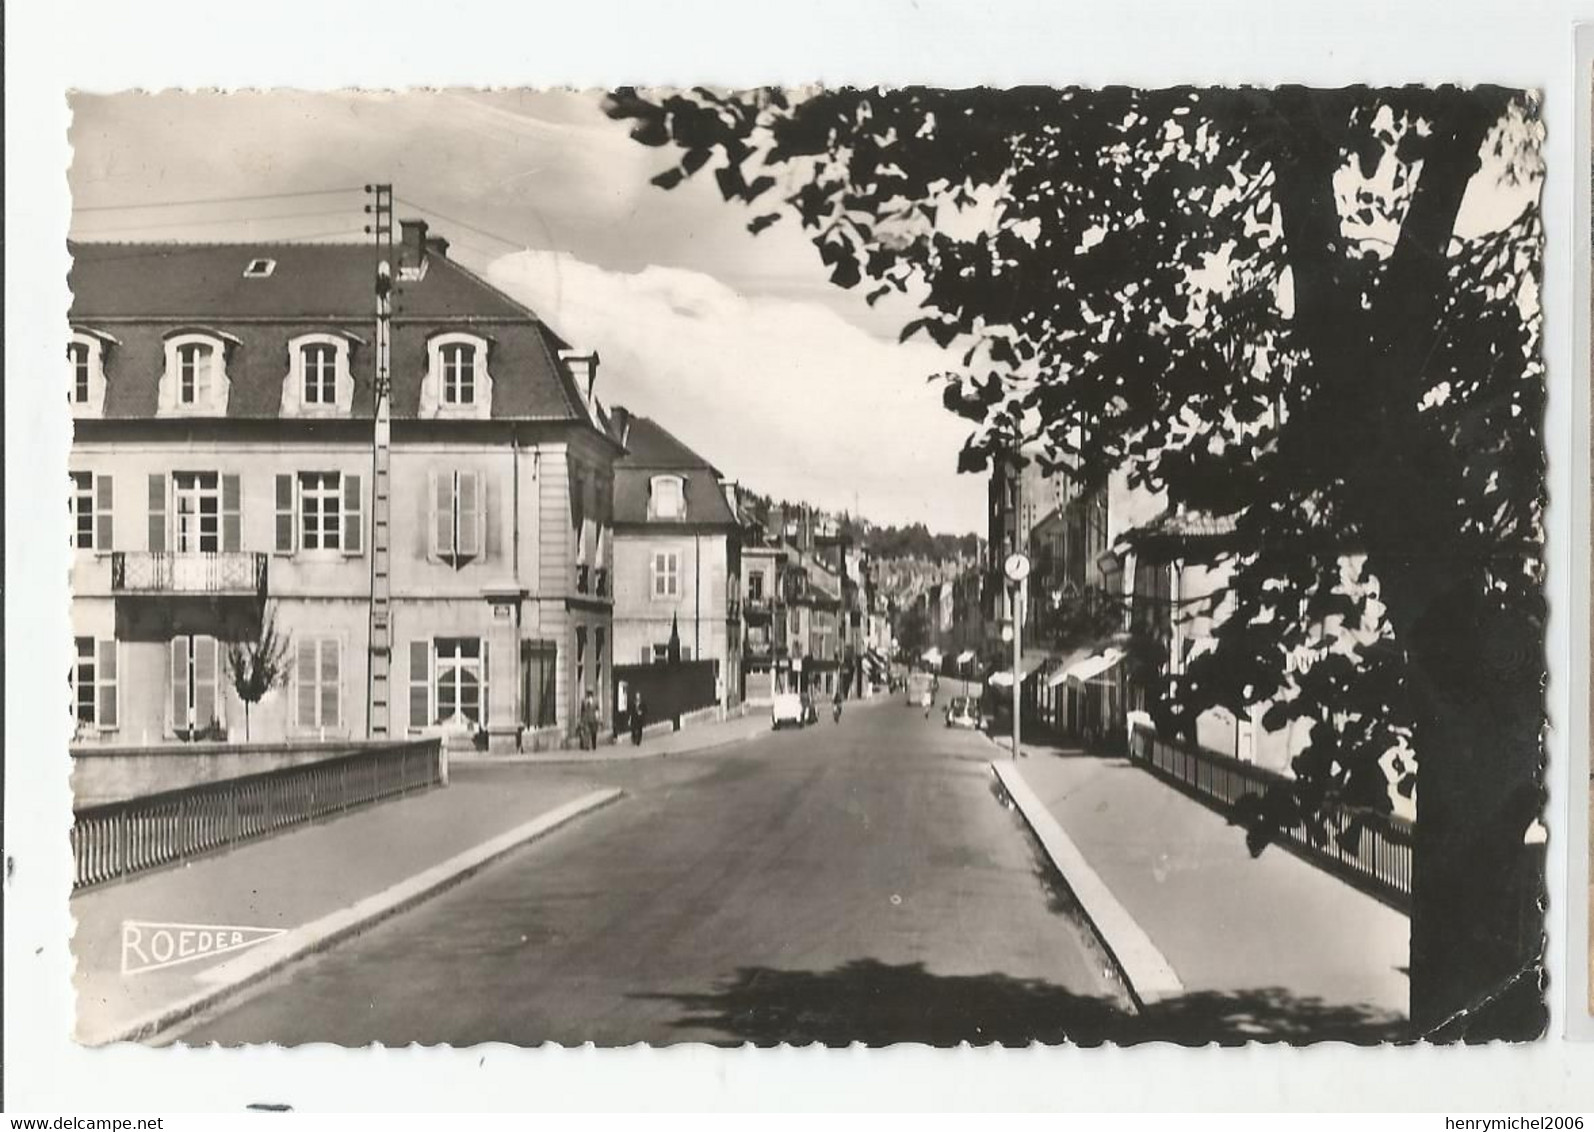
{"x":259,"y":665}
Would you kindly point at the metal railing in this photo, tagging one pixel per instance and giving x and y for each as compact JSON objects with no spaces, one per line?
{"x":1377,"y":861}
{"x":121,"y":839}
{"x":217,"y":572}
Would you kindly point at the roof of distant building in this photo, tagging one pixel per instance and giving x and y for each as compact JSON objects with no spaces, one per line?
{"x":651,"y":450}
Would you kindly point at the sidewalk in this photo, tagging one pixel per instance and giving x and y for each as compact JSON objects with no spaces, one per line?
{"x":363,"y":863}
{"x":1271,"y":938}
{"x":689,"y":739}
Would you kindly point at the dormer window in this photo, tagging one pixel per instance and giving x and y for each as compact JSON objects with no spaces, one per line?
{"x":459,"y":373}
{"x":667,"y":498}
{"x":77,"y":356}
{"x":260,"y":268}
{"x":457,"y":381}
{"x":319,"y":382}
{"x":320,"y":374}
{"x":85,"y":372}
{"x":194,"y":363}
{"x":195,"y":380}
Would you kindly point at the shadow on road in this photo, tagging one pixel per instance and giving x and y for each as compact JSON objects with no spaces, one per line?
{"x":881,"y":1004}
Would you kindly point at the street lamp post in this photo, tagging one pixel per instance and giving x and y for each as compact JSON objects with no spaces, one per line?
{"x":1017,"y":570}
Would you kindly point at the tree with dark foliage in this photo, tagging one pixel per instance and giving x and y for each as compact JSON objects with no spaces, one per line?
{"x":1259,"y":303}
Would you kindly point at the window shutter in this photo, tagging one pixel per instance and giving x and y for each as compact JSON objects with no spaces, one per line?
{"x":442,"y":524}
{"x":157,"y":514}
{"x":420,"y":684}
{"x":179,"y":682}
{"x":207,"y":703}
{"x":486,"y":684}
{"x":304,"y":677}
{"x":284,"y":543}
{"x":103,"y":509}
{"x":331,"y":689}
{"x":106,"y":675}
{"x":353,"y":527}
{"x":231,"y":514}
{"x":470,"y":512}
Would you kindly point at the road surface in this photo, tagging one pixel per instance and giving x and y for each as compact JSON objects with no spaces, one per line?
{"x":858,"y":881}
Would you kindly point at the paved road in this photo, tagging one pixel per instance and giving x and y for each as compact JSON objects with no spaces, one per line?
{"x":851,"y":882}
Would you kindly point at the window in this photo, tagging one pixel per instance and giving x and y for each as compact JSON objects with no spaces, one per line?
{"x":260,"y":268}
{"x":581,"y":660}
{"x":600,"y":689}
{"x":91,"y":511}
{"x":195,"y":680}
{"x":459,"y":373}
{"x":755,"y":586}
{"x":666,"y":574}
{"x":459,"y":679}
{"x":667,"y":498}
{"x":81,"y":372}
{"x":319,"y":363}
{"x":448,"y":681}
{"x":458,"y":519}
{"x":457,"y":381}
{"x":197,"y":503}
{"x":320,"y":510}
{"x":93,"y":680}
{"x":194,"y":361}
{"x":539,"y":675}
{"x":318,"y":691}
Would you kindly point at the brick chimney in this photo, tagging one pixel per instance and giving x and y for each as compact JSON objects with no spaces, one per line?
{"x":412,"y":248}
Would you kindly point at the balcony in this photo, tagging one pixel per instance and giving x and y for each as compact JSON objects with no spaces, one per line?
{"x":218,"y":574}
{"x":756,"y":609}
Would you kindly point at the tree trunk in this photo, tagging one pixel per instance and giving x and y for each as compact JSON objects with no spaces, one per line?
{"x":1473,"y":666}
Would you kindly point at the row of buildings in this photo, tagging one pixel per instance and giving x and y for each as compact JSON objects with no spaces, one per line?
{"x":1101,"y":633}
{"x":423,"y":509}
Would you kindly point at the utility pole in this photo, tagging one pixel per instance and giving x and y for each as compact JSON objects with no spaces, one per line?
{"x":380,"y":658}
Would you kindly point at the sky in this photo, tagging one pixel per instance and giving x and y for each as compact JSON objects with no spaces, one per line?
{"x":737,"y":344}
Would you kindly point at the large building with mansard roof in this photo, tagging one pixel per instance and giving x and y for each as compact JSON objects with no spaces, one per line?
{"x":445,"y":572}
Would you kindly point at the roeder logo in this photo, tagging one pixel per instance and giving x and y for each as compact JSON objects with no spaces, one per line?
{"x":148,"y":946}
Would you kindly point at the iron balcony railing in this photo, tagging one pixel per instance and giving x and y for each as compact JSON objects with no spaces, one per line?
{"x":1377,"y":861}
{"x":122,"y":839}
{"x":217,"y":572}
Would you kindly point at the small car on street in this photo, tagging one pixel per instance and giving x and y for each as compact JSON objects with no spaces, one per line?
{"x":787,"y":708}
{"x":962,"y":712}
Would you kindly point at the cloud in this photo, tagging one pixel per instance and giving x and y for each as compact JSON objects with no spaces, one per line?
{"x":782,"y":395}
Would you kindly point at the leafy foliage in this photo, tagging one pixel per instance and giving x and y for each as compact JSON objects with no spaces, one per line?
{"x":257,"y":666}
{"x":1261,"y":305}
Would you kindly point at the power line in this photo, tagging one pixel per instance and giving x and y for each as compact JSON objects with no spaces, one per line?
{"x":215,"y":200}
{"x":462,"y":223}
{"x":222,"y":220}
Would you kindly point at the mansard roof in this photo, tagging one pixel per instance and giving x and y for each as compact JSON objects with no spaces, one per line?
{"x":651,"y":450}
{"x":140,"y":293}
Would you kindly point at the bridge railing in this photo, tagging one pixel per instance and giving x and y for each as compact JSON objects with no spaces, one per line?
{"x":121,"y":839}
{"x":1377,"y":860}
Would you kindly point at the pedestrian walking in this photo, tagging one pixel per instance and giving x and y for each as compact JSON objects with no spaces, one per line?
{"x":589,"y":722}
{"x":639,"y":711}
{"x":835,"y":707}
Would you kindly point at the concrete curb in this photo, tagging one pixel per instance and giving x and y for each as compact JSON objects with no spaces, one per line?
{"x":1150,"y":976}
{"x":234,"y":975}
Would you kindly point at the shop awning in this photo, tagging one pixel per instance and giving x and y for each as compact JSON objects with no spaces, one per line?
{"x":933,"y":656}
{"x":1086,"y":670}
{"x":965,"y":656}
{"x":1028,"y":663}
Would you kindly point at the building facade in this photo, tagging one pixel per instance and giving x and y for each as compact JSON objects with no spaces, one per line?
{"x":677,"y":555}
{"x":225,"y":485}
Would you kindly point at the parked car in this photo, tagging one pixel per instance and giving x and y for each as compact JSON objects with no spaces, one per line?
{"x":787,"y":708}
{"x":963,"y":712}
